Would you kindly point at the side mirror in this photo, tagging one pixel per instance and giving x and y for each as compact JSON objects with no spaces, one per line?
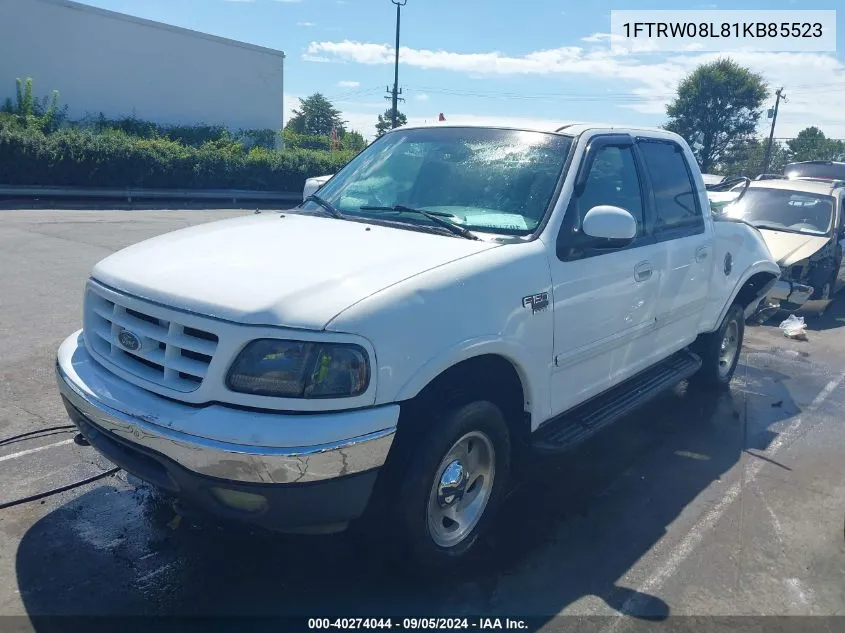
{"x":614,"y":225}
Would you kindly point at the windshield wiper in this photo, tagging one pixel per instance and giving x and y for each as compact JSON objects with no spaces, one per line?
{"x":328,"y":206}
{"x":772,"y":227}
{"x":435,"y":216}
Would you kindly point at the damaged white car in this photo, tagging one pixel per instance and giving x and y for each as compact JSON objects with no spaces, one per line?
{"x":803,"y":225}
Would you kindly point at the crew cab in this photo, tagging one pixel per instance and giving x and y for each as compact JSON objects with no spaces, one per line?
{"x":377,"y":355}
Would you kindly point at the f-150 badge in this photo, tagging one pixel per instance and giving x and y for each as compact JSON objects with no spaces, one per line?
{"x":537,"y":302}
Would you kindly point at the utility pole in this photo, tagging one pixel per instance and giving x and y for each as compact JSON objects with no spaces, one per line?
{"x":774,"y":115}
{"x":396,"y":92}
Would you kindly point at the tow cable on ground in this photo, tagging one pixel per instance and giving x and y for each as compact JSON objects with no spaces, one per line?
{"x":15,"y":438}
{"x":54,"y":491}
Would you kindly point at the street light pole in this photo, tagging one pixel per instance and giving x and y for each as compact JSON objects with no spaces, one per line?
{"x":394,"y":113}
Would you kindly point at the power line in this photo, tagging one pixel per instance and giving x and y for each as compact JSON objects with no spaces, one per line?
{"x":614,"y":96}
{"x":814,"y":140}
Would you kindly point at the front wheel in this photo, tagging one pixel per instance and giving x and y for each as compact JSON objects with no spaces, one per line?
{"x":823,"y":291}
{"x":453,"y":483}
{"x":719,"y":351}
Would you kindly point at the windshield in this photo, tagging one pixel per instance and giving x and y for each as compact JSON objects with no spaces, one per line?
{"x":784,"y":210}
{"x":490,"y":180}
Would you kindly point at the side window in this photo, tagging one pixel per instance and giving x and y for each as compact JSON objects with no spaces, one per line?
{"x":675,"y":198}
{"x":612,"y":180}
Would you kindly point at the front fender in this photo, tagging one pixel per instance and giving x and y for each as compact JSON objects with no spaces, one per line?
{"x":473,"y":306}
{"x":522,"y":359}
{"x":740,"y":253}
{"x":757,"y":267}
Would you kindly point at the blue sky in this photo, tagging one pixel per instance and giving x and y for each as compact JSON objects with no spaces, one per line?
{"x":511,"y":61}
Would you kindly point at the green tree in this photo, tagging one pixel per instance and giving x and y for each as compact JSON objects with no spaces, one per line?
{"x":717,"y":108}
{"x":316,"y":116}
{"x":746,"y":159}
{"x":353,"y":140}
{"x":812,"y":144}
{"x":385,"y":121}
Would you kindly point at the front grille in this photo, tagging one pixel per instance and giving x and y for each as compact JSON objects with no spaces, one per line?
{"x":169,"y":354}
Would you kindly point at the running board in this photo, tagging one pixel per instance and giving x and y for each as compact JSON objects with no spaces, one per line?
{"x":580,"y":423}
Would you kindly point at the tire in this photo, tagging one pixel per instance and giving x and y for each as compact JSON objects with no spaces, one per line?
{"x":718,"y":363}
{"x":823,"y":291}
{"x":822,"y":287}
{"x":421,"y":503}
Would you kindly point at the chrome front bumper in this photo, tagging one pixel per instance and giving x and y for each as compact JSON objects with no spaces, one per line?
{"x":146,"y":420}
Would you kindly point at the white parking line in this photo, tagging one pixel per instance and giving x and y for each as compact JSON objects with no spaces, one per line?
{"x":30,"y":451}
{"x":693,"y":538}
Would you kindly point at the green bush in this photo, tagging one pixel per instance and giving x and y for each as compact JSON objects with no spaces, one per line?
{"x":307,"y":141}
{"x":193,"y":135}
{"x":352,"y":141}
{"x":115,"y":158}
{"x":30,"y":111}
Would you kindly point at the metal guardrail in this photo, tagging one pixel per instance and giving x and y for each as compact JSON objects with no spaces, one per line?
{"x":234,"y":195}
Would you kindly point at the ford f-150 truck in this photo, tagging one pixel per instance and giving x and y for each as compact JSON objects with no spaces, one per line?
{"x":378,"y":354}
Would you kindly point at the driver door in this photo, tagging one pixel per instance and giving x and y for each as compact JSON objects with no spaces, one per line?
{"x":605,"y":299}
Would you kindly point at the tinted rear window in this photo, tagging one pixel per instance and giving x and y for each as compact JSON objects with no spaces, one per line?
{"x":675,"y":196}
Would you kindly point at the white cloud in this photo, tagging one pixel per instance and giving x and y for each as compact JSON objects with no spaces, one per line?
{"x":564,"y":60}
{"x":421,"y":97}
{"x":306,"y":24}
{"x":646,"y":82}
{"x":348,"y":84}
{"x":597,"y":37}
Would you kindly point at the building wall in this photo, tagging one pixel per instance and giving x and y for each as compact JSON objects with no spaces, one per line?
{"x":101,"y":61}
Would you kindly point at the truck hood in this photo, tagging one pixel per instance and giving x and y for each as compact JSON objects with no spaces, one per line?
{"x":295,"y":270}
{"x":791,"y":248}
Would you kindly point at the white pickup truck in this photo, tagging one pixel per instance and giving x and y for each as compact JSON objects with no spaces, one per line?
{"x":452,"y":295}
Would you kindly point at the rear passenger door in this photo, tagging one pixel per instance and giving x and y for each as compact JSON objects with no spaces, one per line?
{"x":687,"y":239}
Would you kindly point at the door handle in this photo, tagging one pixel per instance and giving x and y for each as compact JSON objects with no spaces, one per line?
{"x":643,"y":271}
{"x":701,"y":253}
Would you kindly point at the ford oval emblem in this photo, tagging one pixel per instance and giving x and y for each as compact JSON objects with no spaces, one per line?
{"x":129,"y":340}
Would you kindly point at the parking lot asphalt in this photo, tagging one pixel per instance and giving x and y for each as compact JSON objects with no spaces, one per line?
{"x":727,"y":505}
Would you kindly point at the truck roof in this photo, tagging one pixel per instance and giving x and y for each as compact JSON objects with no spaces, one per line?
{"x":568,"y":128}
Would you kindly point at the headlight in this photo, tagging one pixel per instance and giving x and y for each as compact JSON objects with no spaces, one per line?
{"x":295,"y":369}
